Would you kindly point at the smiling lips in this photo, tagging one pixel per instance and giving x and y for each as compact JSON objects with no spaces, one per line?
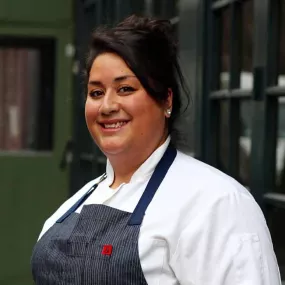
{"x":113,"y":126}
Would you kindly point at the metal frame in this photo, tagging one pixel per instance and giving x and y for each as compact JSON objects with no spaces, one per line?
{"x":271,"y":105}
{"x":264,"y":99}
{"x":264,"y":95}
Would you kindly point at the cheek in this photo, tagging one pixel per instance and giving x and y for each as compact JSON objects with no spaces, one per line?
{"x":91,"y":111}
{"x":151,"y":117}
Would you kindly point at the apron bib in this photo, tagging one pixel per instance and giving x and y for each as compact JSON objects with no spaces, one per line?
{"x":99,"y":245}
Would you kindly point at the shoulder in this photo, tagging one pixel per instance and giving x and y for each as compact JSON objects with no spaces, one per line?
{"x":202,"y":190}
{"x":203,"y":177}
{"x":67,"y":205}
{"x":221,"y":218}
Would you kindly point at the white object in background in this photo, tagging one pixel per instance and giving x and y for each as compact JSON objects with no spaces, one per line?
{"x":69,"y":50}
{"x":14,"y":127}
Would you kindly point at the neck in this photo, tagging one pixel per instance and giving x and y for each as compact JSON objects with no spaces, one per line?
{"x":125,"y":165}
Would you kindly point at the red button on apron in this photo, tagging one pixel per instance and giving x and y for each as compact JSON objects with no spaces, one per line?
{"x":107,"y":249}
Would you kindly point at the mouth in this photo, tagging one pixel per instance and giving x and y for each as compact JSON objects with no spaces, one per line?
{"x":113,"y":126}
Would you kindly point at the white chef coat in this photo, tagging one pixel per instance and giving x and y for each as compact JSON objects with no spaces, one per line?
{"x":201,"y":228}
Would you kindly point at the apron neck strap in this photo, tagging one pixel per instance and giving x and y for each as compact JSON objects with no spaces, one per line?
{"x":152,"y":186}
{"x":81,"y":200}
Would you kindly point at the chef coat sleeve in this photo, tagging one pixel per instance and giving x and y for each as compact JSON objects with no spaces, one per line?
{"x":226,"y":243}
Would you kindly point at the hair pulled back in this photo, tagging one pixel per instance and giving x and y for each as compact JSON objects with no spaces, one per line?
{"x":149,"y":48}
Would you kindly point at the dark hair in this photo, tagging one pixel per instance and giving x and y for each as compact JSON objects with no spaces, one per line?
{"x":149,"y":48}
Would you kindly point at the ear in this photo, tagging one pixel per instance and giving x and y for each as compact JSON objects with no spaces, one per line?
{"x":168,"y":103}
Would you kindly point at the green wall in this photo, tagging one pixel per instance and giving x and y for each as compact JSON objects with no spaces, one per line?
{"x":32,"y":185}
{"x":51,"y":12}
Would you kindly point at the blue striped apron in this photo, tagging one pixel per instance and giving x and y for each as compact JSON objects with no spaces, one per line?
{"x":99,"y":245}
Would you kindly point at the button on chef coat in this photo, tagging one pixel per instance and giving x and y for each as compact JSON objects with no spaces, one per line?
{"x":202,"y":226}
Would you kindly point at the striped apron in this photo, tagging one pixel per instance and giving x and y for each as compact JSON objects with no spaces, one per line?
{"x":99,"y":245}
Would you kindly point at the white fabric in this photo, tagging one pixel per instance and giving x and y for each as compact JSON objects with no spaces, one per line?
{"x":201,"y":228}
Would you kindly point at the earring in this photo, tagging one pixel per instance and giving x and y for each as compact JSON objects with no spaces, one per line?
{"x":168,"y":112}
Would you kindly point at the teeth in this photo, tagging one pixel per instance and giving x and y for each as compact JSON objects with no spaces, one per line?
{"x":114,"y":126}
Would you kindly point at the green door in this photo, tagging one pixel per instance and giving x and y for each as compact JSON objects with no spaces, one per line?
{"x":35,"y":111}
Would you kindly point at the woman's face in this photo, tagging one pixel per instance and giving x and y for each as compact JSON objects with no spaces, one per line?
{"x":120,"y":115}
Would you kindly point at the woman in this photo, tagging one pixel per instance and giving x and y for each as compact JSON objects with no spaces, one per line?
{"x":157,"y":216}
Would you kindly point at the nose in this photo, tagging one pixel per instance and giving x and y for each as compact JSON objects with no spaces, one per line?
{"x":110,"y":103}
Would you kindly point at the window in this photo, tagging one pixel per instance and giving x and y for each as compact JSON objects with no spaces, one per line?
{"x":231,"y":84}
{"x":276,"y":119}
{"x":276,"y":93}
{"x":243,"y":129}
{"x":26,"y":94}
{"x":224,"y":21}
{"x":238,"y":19}
{"x":165,"y":9}
{"x":281,"y":78}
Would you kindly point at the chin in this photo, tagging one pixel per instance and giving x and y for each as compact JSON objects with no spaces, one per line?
{"x":112,"y":147}
{"x":110,"y":151}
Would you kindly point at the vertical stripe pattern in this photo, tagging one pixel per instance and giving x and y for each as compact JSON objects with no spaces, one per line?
{"x":99,"y":246}
{"x":71,"y":252}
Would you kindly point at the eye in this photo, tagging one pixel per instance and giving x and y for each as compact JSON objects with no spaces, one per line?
{"x":96,"y":93}
{"x":126,"y":89}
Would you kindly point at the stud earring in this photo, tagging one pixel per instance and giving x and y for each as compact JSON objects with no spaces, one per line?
{"x":168,"y":112}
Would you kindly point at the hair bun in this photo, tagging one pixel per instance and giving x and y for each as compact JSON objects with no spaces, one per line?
{"x":159,"y":28}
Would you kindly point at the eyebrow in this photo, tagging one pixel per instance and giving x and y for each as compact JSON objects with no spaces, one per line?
{"x":117,"y":79}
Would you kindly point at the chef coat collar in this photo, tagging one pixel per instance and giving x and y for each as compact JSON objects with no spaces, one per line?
{"x":145,"y":170}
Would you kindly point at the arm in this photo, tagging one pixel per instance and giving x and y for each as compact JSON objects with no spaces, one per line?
{"x":227,"y":244}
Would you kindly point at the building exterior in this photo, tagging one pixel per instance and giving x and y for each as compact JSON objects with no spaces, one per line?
{"x":233,"y":56}
{"x":35,"y":121}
